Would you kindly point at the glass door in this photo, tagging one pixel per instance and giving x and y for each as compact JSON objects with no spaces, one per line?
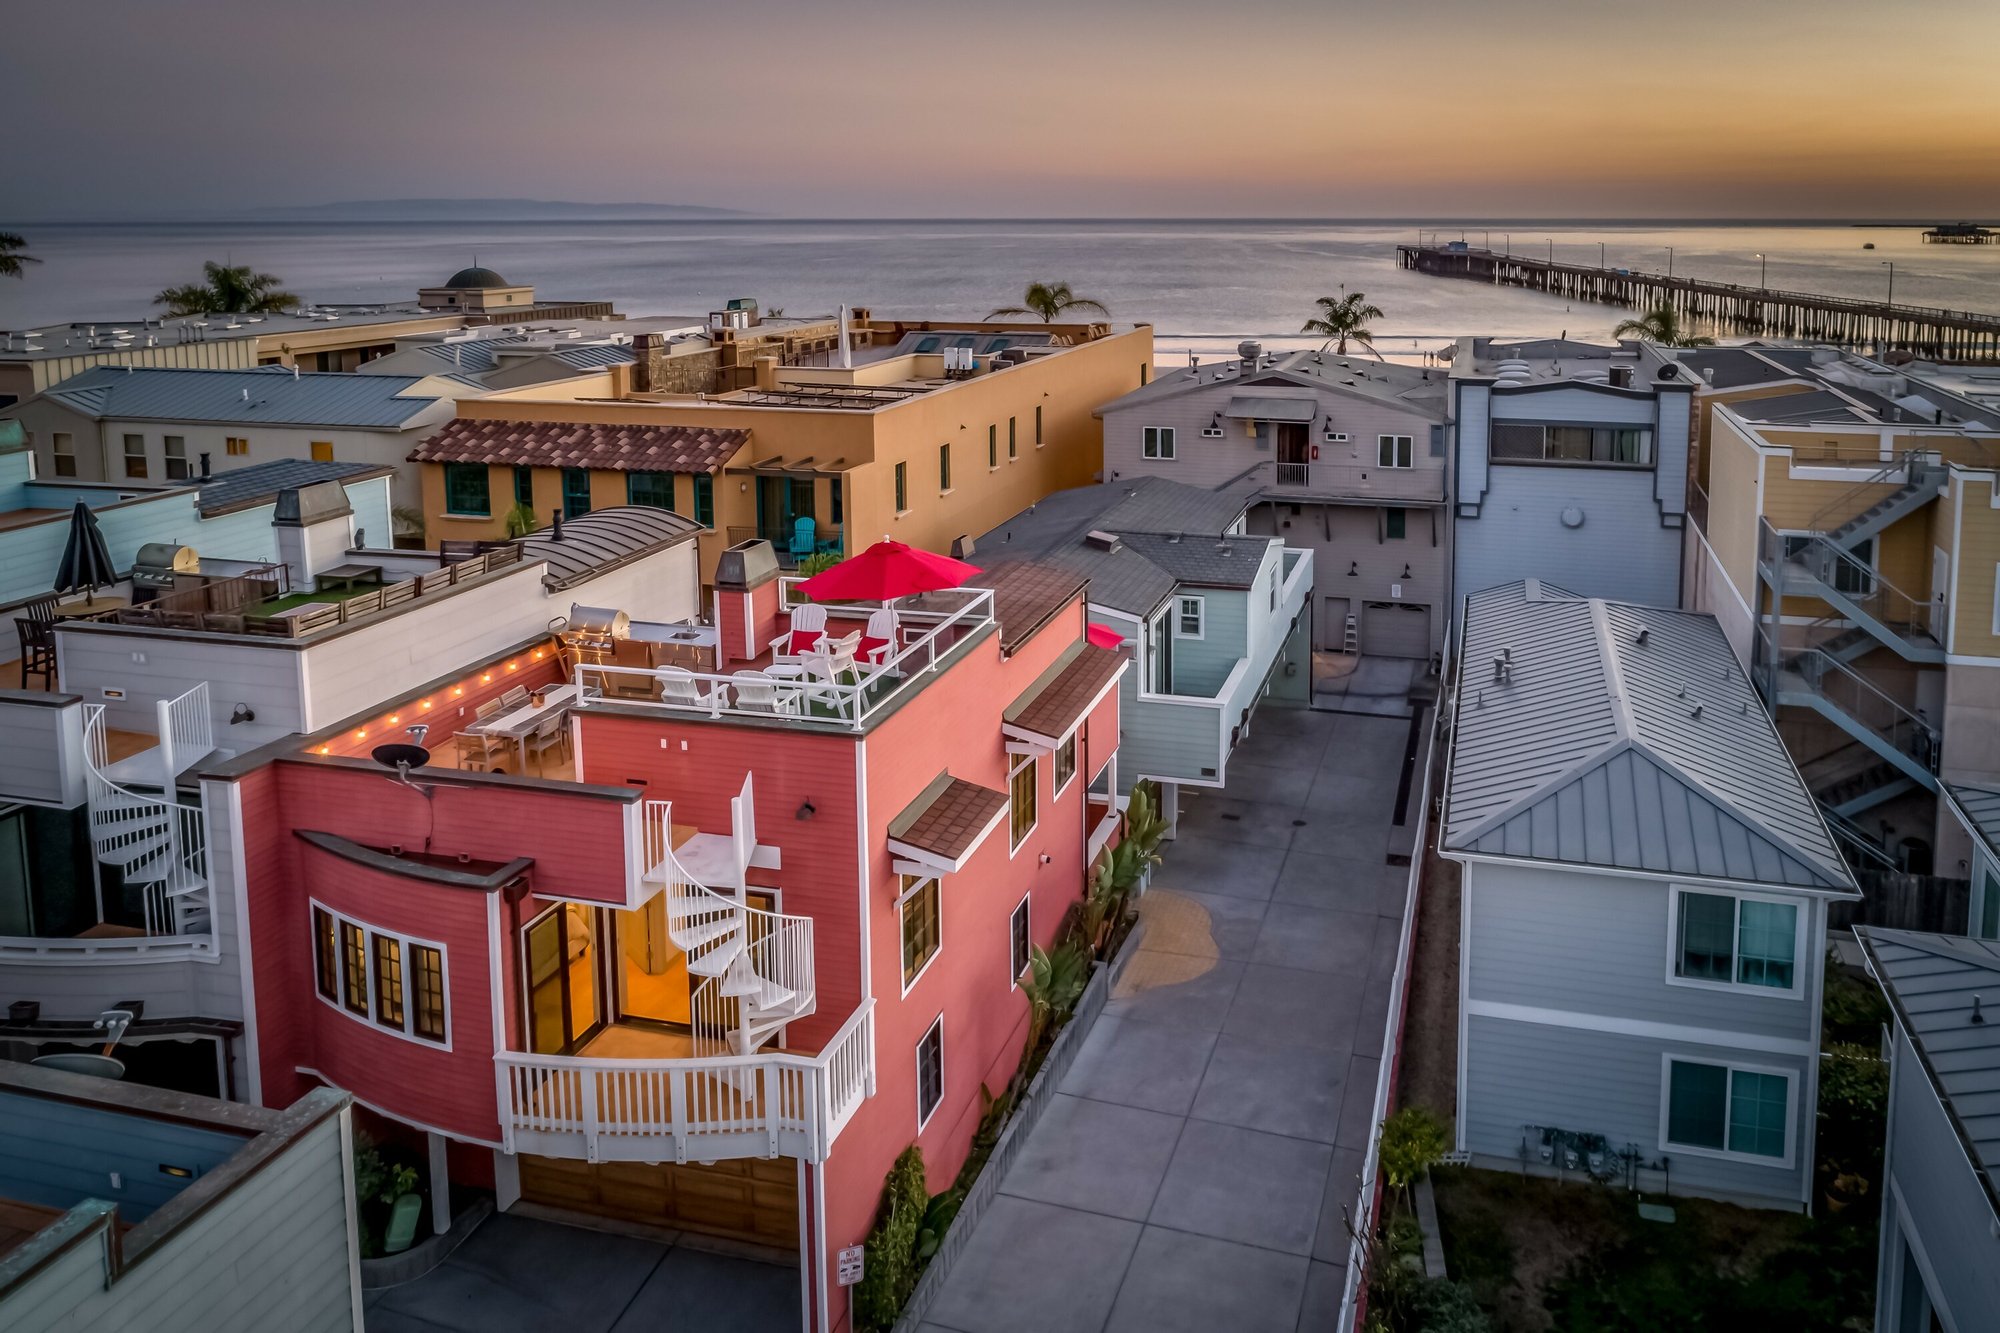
{"x":1294,"y":454}
{"x":564,"y":1008}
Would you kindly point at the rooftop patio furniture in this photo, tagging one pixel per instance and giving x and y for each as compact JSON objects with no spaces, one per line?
{"x":678,"y":686}
{"x":549,"y":734}
{"x":479,"y":752}
{"x":343,"y":578}
{"x":38,"y":650}
{"x":808,"y":628}
{"x":878,"y":642}
{"x":515,"y":697}
{"x":760,"y":692}
{"x":487,"y":710}
{"x":803,"y":530}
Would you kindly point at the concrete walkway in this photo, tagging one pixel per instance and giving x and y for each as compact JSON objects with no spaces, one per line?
{"x":1192,"y":1172}
{"x":522,"y":1273}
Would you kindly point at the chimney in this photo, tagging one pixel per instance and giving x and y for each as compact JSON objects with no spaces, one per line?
{"x":555,"y":526}
{"x":649,"y":354}
{"x":846,"y":348}
{"x":1247,"y":353}
{"x":204,"y":465}
{"x":767,"y":372}
{"x":746,"y":601}
{"x":312,"y":527}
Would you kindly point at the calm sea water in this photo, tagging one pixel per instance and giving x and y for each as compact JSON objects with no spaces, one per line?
{"x":1200,"y":284}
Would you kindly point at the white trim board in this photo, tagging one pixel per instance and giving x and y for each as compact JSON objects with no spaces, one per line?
{"x":1719,"y":1038}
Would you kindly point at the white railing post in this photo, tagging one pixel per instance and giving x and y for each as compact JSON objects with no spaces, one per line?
{"x":163,"y":727}
{"x":587,"y":1112}
{"x":677,"y":1118}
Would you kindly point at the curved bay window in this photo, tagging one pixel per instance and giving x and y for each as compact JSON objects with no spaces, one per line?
{"x":380,"y":976}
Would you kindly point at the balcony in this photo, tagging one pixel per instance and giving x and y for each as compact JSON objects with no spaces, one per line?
{"x":826,"y":537}
{"x":1355,"y":481}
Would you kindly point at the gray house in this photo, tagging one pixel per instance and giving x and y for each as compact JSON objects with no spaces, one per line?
{"x":1572,"y":465}
{"x":1215,"y":618}
{"x":1644,"y":906}
{"x":1348,"y":459}
{"x":1940,"y":1259}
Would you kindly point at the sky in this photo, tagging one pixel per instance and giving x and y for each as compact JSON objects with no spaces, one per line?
{"x":1808,"y":109}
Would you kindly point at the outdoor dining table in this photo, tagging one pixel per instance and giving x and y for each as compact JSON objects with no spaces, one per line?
{"x":520,"y":724}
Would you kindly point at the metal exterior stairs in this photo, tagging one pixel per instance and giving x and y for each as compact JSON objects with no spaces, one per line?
{"x":1926,"y":482}
{"x":1906,"y":742}
{"x":1892,"y":617}
{"x":156,"y":844}
{"x":1859,"y":792}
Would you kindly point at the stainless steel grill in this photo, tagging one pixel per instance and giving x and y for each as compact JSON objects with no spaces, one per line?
{"x":156,"y":564}
{"x":596,"y":628}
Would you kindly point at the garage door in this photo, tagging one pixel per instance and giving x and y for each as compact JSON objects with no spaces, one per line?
{"x":1330,"y":632}
{"x":1396,"y":629}
{"x":755,"y":1199}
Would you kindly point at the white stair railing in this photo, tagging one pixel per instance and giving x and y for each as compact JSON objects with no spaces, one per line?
{"x":186,"y":730}
{"x":156,"y":843}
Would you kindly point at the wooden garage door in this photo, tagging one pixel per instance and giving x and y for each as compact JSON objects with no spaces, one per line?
{"x":754,"y":1200}
{"x":1331,"y":628}
{"x":1396,"y":629}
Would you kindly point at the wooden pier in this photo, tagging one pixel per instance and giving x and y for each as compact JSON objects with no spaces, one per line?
{"x":1946,"y":335}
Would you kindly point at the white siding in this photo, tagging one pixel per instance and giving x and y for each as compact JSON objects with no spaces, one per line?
{"x":149,"y":667}
{"x":43,"y":745}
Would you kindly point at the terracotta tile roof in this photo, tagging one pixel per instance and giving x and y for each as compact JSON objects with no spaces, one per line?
{"x":949,"y":818}
{"x":1026,"y":596}
{"x":1057,"y":702}
{"x":618,"y":447}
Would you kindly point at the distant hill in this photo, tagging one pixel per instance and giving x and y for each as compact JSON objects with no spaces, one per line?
{"x":481,"y":210}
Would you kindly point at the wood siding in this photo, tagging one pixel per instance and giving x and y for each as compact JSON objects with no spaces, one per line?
{"x":754,"y":1199}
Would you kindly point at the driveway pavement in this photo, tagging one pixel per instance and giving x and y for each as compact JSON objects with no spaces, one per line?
{"x":1193,"y":1168}
{"x":522,"y":1273}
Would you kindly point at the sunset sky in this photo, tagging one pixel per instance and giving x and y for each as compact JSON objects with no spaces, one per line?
{"x":830,"y":108}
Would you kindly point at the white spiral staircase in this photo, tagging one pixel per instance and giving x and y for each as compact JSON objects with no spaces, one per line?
{"x":755,"y":967}
{"x":156,"y":844}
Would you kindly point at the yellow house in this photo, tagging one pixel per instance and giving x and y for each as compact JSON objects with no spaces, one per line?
{"x":923,"y":432}
{"x":1848,"y":539}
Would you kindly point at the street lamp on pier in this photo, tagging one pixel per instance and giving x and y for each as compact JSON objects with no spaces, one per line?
{"x":1892,"y":280}
{"x":1760,"y":272}
{"x":1600,"y":254}
{"x":1670,"y":261}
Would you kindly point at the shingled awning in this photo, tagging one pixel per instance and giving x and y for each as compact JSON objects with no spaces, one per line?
{"x":1062,"y":696}
{"x":613,"y":446}
{"x":944,"y":826}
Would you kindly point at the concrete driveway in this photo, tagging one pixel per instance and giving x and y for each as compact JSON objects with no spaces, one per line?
{"x":522,"y":1273}
{"x":1192,"y":1172}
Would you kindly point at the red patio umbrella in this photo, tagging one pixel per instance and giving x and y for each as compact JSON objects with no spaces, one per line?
{"x":885,"y":571}
{"x":1103,"y":636}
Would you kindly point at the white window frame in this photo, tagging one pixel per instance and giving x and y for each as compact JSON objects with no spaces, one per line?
{"x":1157,"y":443}
{"x":923,"y":1116}
{"x":902,"y":900}
{"x":1402,"y":447}
{"x":1334,"y":437}
{"x":1064,"y":785}
{"x":1996,"y":599}
{"x":1802,"y":909}
{"x":1013,"y":771}
{"x":408,"y":1032}
{"x":1791,"y":1077}
{"x":1182,"y":602}
{"x":1025,"y":916}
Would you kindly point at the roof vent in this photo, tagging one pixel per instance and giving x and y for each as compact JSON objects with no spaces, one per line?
{"x":1696,"y":713}
{"x":1977,"y":1016}
{"x":1644,"y":633}
{"x":1102,"y":541}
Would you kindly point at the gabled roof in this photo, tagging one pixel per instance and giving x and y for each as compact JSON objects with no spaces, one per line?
{"x":241,"y":487}
{"x":1412,"y":388}
{"x":614,"y":446}
{"x":1931,"y":981}
{"x":1026,"y":596}
{"x":270,"y":395}
{"x":1611,"y":734}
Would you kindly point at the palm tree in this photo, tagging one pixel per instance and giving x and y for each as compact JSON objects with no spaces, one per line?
{"x":227,"y":290}
{"x":1050,"y":299}
{"x":1661,"y":325}
{"x":1343,"y":318}
{"x":14,"y":254}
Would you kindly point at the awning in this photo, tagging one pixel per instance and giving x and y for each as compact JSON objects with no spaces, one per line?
{"x":1050,"y":709}
{"x":944,"y":826}
{"x":1272,"y":409}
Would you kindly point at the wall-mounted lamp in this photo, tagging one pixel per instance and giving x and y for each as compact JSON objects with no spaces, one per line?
{"x":1046,"y":858}
{"x":806,"y":809}
{"x":1353,"y":568}
{"x":1215,"y":421}
{"x":242,"y":713}
{"x":1328,"y":427}
{"x":1406,"y":571}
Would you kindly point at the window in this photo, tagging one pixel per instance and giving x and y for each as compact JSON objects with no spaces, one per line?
{"x":65,"y":453}
{"x":944,"y":467}
{"x":176,"y":450}
{"x":135,"y":455}
{"x":524,"y":486}
{"x":655,"y":490}
{"x":1159,"y":656}
{"x":322,"y":451}
{"x":1065,"y":762}
{"x":833,"y":501}
{"x":1157,"y":442}
{"x":1856,"y":576}
{"x":1728,"y":1109}
{"x":465,"y":489}
{"x":1019,"y":943}
{"x":1619,"y":446}
{"x":992,"y":446}
{"x":1145,"y":372}
{"x":1021,"y":801}
{"x":1723,"y":940}
{"x":922,"y":936}
{"x":576,"y":492}
{"x":1393,"y":450}
{"x":235,"y":446}
{"x":930,"y":1072}
{"x":704,"y":499}
{"x":1013,"y":444}
{"x":902,"y":488}
{"x":1038,"y":428}
{"x":380,"y":977}
{"x":1395,"y":524}
{"x":1188,"y":617}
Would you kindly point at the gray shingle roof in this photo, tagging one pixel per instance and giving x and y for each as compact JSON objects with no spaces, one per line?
{"x":1600,"y":748}
{"x":243,"y":486}
{"x":1413,"y":388}
{"x":1930,"y":980}
{"x":269,"y":396}
{"x":604,"y":539}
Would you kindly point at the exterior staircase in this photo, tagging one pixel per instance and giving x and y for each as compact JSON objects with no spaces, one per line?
{"x":1817,"y":680}
{"x":1923,"y":481}
{"x":1859,"y":792}
{"x":156,"y":844}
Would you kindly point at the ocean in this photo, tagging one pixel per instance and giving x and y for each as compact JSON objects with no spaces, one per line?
{"x":1201,"y":284}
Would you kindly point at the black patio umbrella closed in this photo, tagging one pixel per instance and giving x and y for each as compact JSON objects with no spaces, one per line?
{"x":86,"y":561}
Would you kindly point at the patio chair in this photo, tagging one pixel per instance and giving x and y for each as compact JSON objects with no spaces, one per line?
{"x":808,"y":628}
{"x":488,"y":710}
{"x":481,"y":754}
{"x":803,"y":530}
{"x":517,"y":697}
{"x":550,"y":733}
{"x":830,"y":666}
{"x":879,"y":641}
{"x":678,"y":686}
{"x":38,"y":652}
{"x":759,"y":693}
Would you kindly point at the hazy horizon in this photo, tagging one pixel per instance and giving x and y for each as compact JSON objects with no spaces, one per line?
{"x":1586,"y":110}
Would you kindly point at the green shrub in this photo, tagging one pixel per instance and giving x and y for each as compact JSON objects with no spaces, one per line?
{"x":522,"y":520}
{"x":1412,"y":1140}
{"x":890,"y":1266}
{"x":818,"y":562}
{"x":1053,"y":983}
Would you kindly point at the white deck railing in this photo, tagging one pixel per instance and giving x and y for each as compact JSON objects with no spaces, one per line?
{"x":703,"y":1108}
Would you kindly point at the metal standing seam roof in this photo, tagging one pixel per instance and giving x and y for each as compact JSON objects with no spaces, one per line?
{"x":270,"y":396}
{"x":1931,"y":981}
{"x":1980,"y":805}
{"x":605,"y":538}
{"x":241,"y":487}
{"x":1603,"y":747}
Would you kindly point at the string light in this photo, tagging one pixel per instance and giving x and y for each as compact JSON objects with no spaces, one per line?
{"x":425,"y":706}
{"x":456,"y":691}
{"x":393,"y":719}
{"x":486,"y":679}
{"x":360,"y":735}
{"x":511,"y":666}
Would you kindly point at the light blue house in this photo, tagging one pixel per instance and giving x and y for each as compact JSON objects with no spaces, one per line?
{"x":1940,"y":1254}
{"x":1216,"y":619}
{"x":1643,"y":919}
{"x":1571,"y":465}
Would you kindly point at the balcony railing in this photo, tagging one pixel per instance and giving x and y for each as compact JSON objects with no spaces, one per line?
{"x":825,"y":538}
{"x":1358,"y":480}
{"x":774,"y":1104}
{"x":1829,"y":571}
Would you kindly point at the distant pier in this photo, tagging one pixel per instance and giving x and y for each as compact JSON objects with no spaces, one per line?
{"x":1947,"y":335}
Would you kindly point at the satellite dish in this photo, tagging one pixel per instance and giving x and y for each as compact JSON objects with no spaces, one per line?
{"x":397,"y":755}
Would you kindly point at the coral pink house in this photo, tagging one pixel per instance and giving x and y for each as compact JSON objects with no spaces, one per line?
{"x":740,"y":941}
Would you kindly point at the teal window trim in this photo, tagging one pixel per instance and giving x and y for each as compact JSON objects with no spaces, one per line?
{"x":704,"y":499}
{"x":654,"y":490}
{"x":524,"y":486}
{"x":465,"y":490}
{"x":575,"y":492}
{"x":1722,"y":1109}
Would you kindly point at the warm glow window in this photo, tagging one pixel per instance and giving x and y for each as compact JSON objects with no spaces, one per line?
{"x":381,"y":976}
{"x":922,"y":935}
{"x":326,"y":952}
{"x":388,"y":980}
{"x":1065,"y":762}
{"x":1021,"y":800}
